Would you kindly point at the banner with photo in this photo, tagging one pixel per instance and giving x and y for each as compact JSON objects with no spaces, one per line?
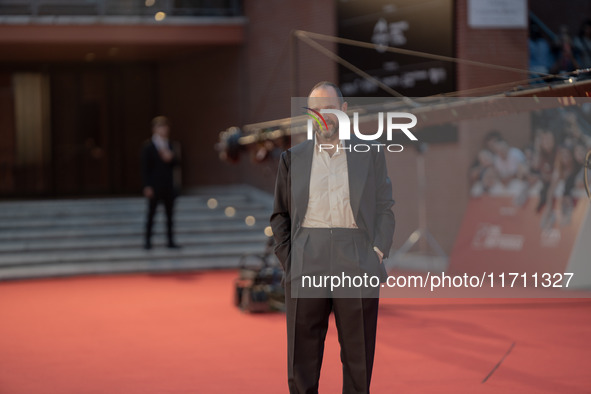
{"x":528,"y":205}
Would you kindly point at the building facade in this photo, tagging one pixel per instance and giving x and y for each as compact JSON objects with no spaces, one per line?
{"x":81,"y":80}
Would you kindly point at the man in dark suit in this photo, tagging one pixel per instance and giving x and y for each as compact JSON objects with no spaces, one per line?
{"x":158,"y":162}
{"x":332,"y":216}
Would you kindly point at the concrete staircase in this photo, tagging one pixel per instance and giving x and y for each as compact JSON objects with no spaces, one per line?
{"x":101,"y":236}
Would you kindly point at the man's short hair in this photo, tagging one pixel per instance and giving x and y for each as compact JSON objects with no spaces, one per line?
{"x":160,"y":121}
{"x":493,"y":135}
{"x":327,"y":84}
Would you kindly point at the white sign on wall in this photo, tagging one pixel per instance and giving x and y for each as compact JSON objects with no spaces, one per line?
{"x":494,"y":14}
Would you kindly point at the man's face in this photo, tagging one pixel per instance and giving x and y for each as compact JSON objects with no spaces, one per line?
{"x":326,"y":97}
{"x":162,"y":131}
{"x":547,"y":141}
{"x":501,"y":148}
{"x":485,"y":158}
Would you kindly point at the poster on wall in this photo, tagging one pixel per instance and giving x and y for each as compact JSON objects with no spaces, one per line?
{"x":425,"y":26}
{"x":528,"y":207}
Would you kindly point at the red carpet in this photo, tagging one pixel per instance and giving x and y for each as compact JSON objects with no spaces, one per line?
{"x":181,"y":334}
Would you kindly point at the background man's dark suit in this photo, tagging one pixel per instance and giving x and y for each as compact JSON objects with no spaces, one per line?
{"x":158,"y":174}
{"x":371,"y":202}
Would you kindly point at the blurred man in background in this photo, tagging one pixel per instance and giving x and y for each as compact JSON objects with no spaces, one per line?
{"x":158,"y":162}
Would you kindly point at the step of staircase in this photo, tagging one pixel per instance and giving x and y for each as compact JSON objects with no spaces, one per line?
{"x":51,"y":238}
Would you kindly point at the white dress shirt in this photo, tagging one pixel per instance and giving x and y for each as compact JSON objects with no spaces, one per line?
{"x":160,"y":143}
{"x":329,"y":204}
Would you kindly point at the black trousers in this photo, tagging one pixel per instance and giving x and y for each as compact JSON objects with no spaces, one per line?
{"x":308,"y":317}
{"x":167,"y":199}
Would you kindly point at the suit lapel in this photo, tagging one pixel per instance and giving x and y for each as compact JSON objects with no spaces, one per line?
{"x":357,"y":167}
{"x":301,"y":168}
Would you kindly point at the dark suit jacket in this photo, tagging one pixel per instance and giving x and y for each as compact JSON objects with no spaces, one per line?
{"x":370,"y":193}
{"x":155,"y":172}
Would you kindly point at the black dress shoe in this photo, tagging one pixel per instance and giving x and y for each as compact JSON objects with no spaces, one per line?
{"x":172,"y":245}
{"x":147,"y":246}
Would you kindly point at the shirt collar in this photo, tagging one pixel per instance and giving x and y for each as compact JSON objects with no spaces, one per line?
{"x":317,"y":150}
{"x":160,"y":142}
